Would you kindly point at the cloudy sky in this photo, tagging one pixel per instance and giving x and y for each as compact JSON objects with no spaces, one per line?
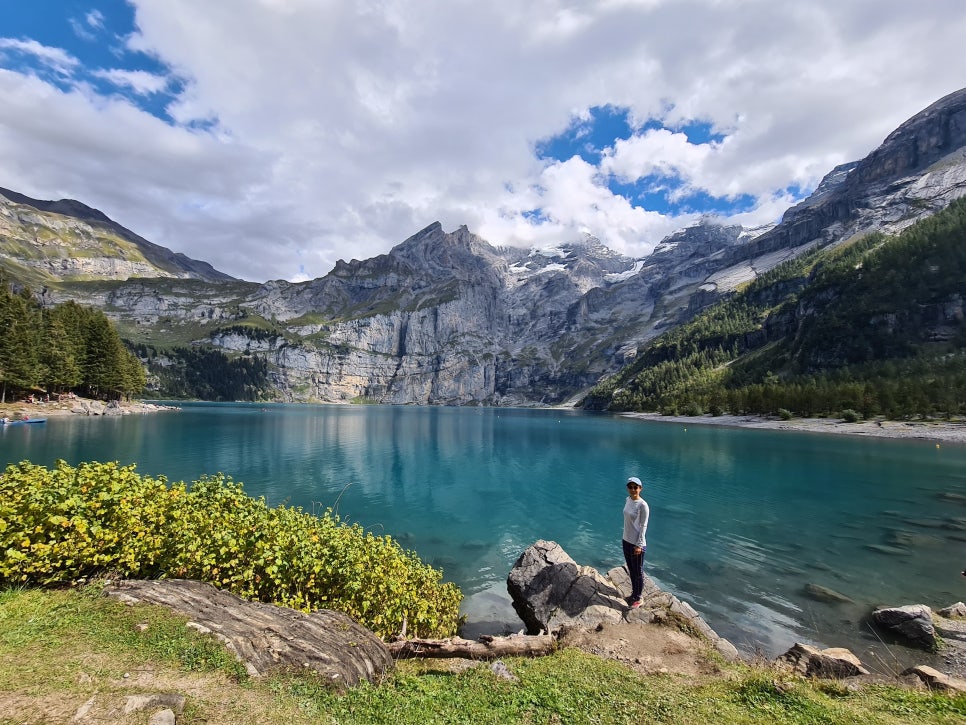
{"x":273,"y":137}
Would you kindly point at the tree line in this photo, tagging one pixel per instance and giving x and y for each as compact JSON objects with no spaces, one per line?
{"x":874,"y":327}
{"x":62,"y":348}
{"x":203,"y":373}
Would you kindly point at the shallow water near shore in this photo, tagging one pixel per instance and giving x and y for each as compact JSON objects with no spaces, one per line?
{"x":742,"y":521}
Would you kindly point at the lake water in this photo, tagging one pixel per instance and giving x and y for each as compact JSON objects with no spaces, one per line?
{"x":741,"y":520}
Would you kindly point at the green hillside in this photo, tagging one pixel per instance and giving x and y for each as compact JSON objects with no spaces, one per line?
{"x":871,"y":327}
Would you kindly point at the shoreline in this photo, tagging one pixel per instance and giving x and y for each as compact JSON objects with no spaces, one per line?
{"x":77,"y":406}
{"x":944,"y":431}
{"x":933,"y":430}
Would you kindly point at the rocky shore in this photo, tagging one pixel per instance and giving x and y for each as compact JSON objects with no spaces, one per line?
{"x":78,"y":406}
{"x":582,"y":607}
{"x":933,"y":430}
{"x":561,"y":604}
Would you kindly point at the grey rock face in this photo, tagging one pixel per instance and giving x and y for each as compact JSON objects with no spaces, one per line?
{"x":916,"y":171}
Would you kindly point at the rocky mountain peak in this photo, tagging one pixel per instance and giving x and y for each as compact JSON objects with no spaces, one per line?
{"x":83,"y":243}
{"x":705,"y":237}
{"x":64,"y":207}
{"x":918,"y":143}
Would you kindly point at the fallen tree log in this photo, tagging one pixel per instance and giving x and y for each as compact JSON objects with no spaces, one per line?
{"x":485,"y":648}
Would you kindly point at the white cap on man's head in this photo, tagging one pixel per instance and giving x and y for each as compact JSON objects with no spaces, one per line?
{"x":636,"y":481}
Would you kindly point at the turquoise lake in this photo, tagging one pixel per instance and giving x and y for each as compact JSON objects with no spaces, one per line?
{"x":741,"y":520}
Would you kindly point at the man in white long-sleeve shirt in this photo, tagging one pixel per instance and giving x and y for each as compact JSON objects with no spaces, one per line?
{"x":636,"y":514}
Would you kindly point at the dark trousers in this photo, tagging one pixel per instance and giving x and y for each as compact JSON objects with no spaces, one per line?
{"x":635,"y":567}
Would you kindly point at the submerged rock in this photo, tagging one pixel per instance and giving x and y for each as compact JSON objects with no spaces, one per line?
{"x":826,"y":595}
{"x":890,"y":550}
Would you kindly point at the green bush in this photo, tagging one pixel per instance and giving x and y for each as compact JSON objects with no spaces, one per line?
{"x":58,"y":525}
{"x":692,"y":408}
{"x":851,"y":416}
{"x":785,"y":414}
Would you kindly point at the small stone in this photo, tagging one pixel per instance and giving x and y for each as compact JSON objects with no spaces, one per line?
{"x":83,"y":710}
{"x":499,"y":669}
{"x":953,"y":611}
{"x":136,"y":703}
{"x":164,"y":717}
{"x":936,"y":680}
{"x":834,"y":662}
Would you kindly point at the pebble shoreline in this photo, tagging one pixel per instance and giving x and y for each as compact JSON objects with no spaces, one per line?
{"x":950,"y":432}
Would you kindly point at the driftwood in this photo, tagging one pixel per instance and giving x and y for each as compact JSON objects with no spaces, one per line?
{"x":264,"y":636}
{"x":485,"y":648}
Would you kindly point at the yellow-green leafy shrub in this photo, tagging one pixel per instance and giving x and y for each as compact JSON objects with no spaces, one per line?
{"x":63,"y":523}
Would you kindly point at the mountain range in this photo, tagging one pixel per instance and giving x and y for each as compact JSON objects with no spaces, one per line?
{"x":448,"y":318}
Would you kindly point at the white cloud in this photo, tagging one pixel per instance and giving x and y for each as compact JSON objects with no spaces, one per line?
{"x":661,"y":152}
{"x":53,"y":58}
{"x":335,"y":130}
{"x":95,"y":19}
{"x":139,"y":81}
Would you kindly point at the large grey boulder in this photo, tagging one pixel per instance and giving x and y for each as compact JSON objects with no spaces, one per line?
{"x":550,"y":590}
{"x":264,"y":636}
{"x":912,"y":622}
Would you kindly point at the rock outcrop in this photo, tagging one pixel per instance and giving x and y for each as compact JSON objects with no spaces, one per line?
{"x":264,"y":636}
{"x":551,"y":592}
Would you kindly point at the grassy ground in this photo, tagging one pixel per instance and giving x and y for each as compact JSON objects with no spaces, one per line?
{"x":60,"y":650}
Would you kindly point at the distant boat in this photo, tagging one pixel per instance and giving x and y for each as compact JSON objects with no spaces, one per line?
{"x":25,"y":422}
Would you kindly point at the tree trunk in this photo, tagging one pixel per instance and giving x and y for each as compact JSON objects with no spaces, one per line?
{"x":486,"y":648}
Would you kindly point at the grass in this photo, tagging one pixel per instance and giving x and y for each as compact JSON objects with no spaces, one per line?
{"x":60,"y":648}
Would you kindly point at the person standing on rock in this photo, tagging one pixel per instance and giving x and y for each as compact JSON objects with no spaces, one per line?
{"x":636,"y":514}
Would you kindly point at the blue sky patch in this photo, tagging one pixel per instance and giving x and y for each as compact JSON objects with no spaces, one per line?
{"x":699,"y":132}
{"x":664,"y":194}
{"x":588,"y":138}
{"x":95,"y":39}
